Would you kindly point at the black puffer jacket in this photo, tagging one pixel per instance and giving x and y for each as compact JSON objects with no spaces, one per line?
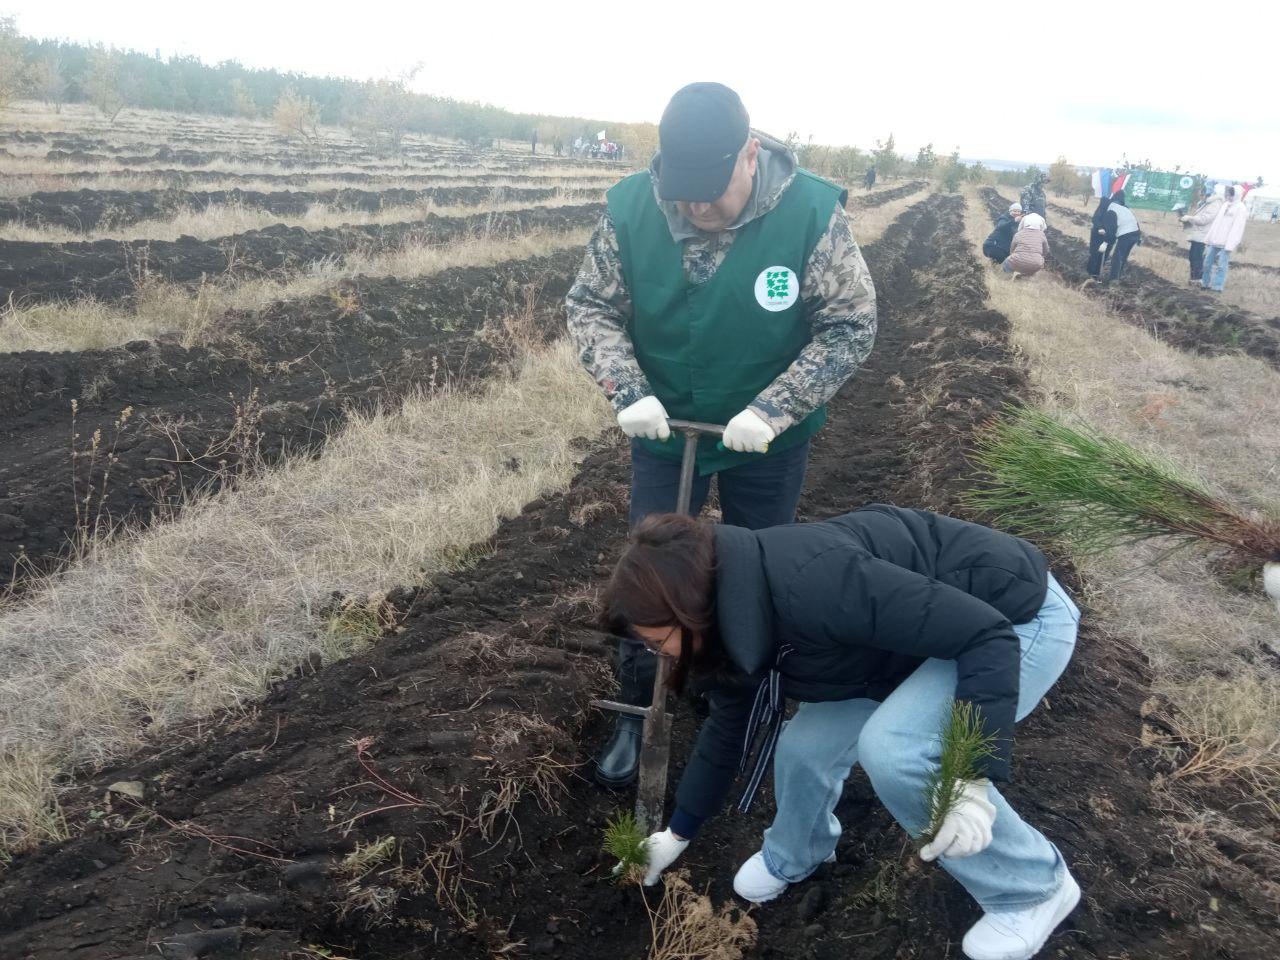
{"x":996,"y":246}
{"x":861,"y":601}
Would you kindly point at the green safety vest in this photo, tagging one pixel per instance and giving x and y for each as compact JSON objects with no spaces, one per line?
{"x":709,"y":349}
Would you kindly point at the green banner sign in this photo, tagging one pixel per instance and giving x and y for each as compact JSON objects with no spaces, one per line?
{"x":1156,"y":190}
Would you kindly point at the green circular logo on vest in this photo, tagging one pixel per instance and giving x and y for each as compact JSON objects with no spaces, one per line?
{"x":777,"y":288}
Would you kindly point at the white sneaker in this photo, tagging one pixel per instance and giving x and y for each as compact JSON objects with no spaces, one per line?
{"x":754,"y":882}
{"x":1019,"y":934}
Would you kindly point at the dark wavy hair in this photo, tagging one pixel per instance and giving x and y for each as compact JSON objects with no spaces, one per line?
{"x":666,"y":578}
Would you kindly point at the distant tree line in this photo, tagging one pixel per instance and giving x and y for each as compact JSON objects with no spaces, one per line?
{"x":58,"y":72}
{"x":848,"y":164}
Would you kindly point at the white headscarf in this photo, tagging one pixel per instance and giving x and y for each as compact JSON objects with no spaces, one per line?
{"x":1032,"y":221}
{"x":1015,"y":208}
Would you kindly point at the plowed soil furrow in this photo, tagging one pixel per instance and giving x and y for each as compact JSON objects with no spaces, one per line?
{"x":185,"y":178}
{"x":278,"y":380}
{"x":868,"y":200}
{"x":92,"y":209}
{"x":487,"y":680}
{"x":285,"y":155}
{"x":1185,"y":318}
{"x":112,"y":269}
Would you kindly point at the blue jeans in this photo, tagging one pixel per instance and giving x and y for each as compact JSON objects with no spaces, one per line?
{"x":763,"y":493}
{"x":1216,"y":261}
{"x":898,"y":743}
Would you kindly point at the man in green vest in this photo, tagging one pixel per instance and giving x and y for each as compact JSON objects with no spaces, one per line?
{"x":722,"y":285}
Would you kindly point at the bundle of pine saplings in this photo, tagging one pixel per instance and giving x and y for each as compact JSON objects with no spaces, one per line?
{"x":1052,"y":480}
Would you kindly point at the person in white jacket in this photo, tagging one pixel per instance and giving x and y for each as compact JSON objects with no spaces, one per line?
{"x":1198,"y":223}
{"x":1225,"y":234}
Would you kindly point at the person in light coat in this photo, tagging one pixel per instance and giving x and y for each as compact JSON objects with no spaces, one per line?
{"x":1225,"y":234}
{"x":1029,"y":249}
{"x":1198,"y":223}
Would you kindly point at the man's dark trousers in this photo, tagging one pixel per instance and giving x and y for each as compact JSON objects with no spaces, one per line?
{"x":1197,"y":259}
{"x":754,"y":495}
{"x":1120,"y":255}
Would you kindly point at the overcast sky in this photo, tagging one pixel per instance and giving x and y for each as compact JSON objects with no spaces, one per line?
{"x":1022,"y":81}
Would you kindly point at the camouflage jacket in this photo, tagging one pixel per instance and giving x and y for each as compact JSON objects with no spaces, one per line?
{"x":835,"y":288}
{"x":1033,"y":199}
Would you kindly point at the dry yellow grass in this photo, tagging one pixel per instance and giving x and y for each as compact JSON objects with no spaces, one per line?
{"x":196,"y":615}
{"x":869,"y":224}
{"x":224,"y":220}
{"x":461,"y":176}
{"x":171,"y":311}
{"x":1213,"y":416}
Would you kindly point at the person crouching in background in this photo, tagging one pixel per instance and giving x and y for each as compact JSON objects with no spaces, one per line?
{"x":1029,"y":248}
{"x":996,"y":247}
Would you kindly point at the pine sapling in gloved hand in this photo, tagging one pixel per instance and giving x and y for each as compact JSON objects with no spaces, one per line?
{"x":641,"y":859}
{"x":625,"y":842}
{"x":961,"y":814}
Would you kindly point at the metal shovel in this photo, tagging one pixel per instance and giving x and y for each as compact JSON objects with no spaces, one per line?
{"x":655,"y":741}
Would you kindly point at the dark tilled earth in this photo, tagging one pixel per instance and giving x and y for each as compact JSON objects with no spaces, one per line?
{"x":479,"y":696}
{"x":93,"y":209}
{"x":111,"y":270}
{"x":278,"y":380}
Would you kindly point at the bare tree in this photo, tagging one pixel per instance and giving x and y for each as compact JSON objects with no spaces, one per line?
{"x":242,"y":102}
{"x":49,"y":82}
{"x":297,"y":115}
{"x":13,"y":78}
{"x":104,"y":82}
{"x":385,"y":112}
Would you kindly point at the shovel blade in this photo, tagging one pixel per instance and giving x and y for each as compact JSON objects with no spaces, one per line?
{"x":655,"y":753}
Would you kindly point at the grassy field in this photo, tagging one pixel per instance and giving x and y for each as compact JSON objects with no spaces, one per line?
{"x":306,"y":558}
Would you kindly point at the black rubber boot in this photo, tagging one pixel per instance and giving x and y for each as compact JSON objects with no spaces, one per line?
{"x":619,"y":761}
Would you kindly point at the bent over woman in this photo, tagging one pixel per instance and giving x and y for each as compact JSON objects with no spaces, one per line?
{"x":874,"y":622}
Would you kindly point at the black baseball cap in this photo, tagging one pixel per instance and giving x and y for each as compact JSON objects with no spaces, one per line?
{"x":701,"y":132}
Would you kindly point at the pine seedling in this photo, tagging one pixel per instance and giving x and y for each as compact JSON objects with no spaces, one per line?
{"x":624,"y":841}
{"x":1057,"y":481}
{"x":965,"y":746}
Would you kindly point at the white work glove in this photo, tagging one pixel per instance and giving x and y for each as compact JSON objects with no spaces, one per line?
{"x":748,"y":433}
{"x":1102,"y":248}
{"x":663,"y":848}
{"x":645,"y":418}
{"x":1185,"y":219}
{"x":966,"y":830}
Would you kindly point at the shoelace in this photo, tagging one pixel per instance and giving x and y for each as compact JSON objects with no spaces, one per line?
{"x":767,"y":711}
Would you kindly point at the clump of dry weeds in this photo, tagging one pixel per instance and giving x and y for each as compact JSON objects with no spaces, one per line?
{"x":685,"y":925}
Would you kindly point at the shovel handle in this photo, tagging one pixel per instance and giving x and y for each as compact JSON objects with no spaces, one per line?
{"x":693,"y":425}
{"x":691,"y":430}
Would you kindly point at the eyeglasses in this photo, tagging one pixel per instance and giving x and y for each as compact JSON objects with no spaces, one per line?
{"x":655,"y":646}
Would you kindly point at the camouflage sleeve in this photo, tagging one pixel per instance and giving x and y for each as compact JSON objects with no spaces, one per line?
{"x":598,"y":307}
{"x":840,"y":300}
